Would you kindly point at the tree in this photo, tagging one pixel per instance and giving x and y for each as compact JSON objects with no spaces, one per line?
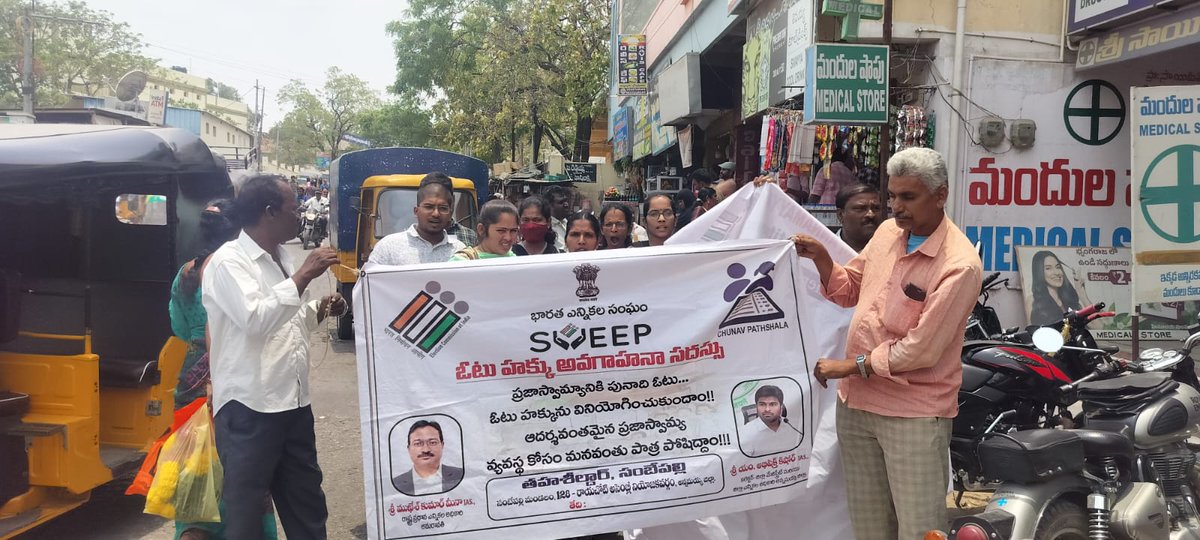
{"x":498,"y":69}
{"x":399,"y":123}
{"x":77,"y":50}
{"x":320,"y":118}
{"x":222,"y":90}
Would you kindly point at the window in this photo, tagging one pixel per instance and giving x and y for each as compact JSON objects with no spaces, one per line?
{"x":139,"y":209}
{"x":395,"y":211}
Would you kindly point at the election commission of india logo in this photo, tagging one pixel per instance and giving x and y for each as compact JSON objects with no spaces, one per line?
{"x":430,"y":319}
{"x":750,"y":296}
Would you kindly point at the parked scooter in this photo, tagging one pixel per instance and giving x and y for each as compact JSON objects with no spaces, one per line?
{"x":1010,"y":385}
{"x":1131,"y":474}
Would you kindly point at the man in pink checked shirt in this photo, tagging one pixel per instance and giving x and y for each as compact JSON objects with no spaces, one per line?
{"x":912,"y":288}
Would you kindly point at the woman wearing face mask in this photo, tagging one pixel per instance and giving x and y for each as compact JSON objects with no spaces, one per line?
{"x":497,"y":231}
{"x":583,"y":232}
{"x":536,"y":236}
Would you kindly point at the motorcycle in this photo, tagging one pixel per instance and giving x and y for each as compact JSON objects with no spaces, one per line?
{"x":1129,"y":473}
{"x":1009,"y":385}
{"x":312,"y":228}
{"x":983,"y":323}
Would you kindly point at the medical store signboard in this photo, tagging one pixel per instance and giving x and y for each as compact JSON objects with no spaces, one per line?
{"x":1072,"y":189}
{"x":846,"y":84}
{"x":1166,"y":217}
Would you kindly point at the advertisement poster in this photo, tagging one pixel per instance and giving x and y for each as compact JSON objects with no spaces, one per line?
{"x":1054,"y":279}
{"x":632,"y":79}
{"x":618,"y":396}
{"x":1166,"y":222}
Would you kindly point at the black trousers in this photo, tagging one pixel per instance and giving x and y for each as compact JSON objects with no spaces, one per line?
{"x":270,"y":453}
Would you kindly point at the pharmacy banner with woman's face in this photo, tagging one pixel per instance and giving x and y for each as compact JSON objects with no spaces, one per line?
{"x":573,"y":394}
{"x":1057,"y":279}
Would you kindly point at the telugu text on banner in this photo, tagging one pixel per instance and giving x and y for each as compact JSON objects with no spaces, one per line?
{"x":612,"y":395}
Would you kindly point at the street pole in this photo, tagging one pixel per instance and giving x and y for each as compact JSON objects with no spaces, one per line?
{"x":27,"y":65}
{"x":257,"y":129}
{"x":885,"y":133}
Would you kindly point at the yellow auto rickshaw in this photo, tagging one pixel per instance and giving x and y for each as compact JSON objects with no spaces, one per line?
{"x":95,"y":221}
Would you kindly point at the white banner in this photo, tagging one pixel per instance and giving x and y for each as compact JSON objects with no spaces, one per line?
{"x":769,"y":213}
{"x":1166,"y":223}
{"x":625,"y":389}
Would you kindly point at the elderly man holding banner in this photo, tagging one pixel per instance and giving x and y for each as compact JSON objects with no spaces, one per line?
{"x":912,"y":288}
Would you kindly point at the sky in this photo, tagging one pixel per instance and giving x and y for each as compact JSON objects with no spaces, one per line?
{"x":273,"y":41}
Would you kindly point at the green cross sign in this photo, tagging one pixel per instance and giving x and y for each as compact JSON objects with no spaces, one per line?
{"x":1178,"y":165}
{"x":851,"y":12}
{"x":1089,"y":106}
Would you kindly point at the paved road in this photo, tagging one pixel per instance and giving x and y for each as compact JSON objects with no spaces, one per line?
{"x":111,"y":515}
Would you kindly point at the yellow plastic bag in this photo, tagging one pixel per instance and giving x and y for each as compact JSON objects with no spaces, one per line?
{"x":187,"y":482}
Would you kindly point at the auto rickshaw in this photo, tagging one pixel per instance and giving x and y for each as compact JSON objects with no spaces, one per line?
{"x":373,"y":193}
{"x":95,"y":221}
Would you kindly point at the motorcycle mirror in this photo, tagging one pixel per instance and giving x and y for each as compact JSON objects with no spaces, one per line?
{"x":1048,"y":340}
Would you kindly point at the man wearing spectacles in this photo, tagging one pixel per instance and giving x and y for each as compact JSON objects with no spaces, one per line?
{"x":660,"y":220}
{"x":428,"y":476}
{"x":426,"y":240}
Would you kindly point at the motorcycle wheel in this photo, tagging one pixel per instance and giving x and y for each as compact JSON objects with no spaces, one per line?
{"x":1062,"y":520}
{"x":304,"y":240}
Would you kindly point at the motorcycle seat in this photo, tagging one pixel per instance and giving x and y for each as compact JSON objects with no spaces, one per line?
{"x":1121,"y":393}
{"x":1098,"y":443}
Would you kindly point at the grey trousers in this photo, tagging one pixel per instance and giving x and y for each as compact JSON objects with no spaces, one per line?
{"x":896,"y":473}
{"x":275,"y":454}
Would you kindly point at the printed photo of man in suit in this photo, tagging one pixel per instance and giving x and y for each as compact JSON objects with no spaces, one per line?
{"x":428,"y":476}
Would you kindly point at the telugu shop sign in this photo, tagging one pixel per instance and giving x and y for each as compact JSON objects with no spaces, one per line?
{"x":847,"y":84}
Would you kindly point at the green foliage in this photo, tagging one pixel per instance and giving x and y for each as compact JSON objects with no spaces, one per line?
{"x":499,"y":69}
{"x":70,"y":55}
{"x":184,"y":104}
{"x":399,"y":123}
{"x":319,"y":118}
{"x":222,"y":90}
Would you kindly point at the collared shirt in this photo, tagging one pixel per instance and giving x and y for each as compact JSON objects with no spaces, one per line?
{"x":409,"y":248}
{"x":259,"y":325}
{"x":761,"y":440}
{"x":427,"y":485}
{"x":317,"y":204}
{"x":913,"y":344}
{"x":463,"y":234}
{"x":559,"y":226}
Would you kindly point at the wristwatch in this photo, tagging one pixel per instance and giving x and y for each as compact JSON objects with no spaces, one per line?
{"x":861,"y":360}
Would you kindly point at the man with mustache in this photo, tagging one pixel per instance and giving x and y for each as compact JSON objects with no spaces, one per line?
{"x":428,"y":476}
{"x":860,"y":214}
{"x":426,"y":240}
{"x":770,"y":433}
{"x":911,"y":288}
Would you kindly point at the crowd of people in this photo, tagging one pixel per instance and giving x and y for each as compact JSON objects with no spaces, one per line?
{"x":247,"y":310}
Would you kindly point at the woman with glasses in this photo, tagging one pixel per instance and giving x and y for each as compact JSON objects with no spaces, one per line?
{"x":660,"y":220}
{"x":616,"y":222}
{"x":536,"y":236}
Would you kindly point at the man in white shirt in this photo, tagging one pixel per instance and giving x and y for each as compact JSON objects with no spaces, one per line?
{"x":428,"y":476}
{"x":319,"y":203}
{"x":769,"y":433}
{"x":426,"y":240}
{"x":260,"y":314}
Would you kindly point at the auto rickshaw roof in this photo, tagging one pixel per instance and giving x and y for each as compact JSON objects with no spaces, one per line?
{"x":43,"y":154}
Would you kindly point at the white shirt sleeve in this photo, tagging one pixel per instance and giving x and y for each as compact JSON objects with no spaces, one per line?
{"x":234,"y":290}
